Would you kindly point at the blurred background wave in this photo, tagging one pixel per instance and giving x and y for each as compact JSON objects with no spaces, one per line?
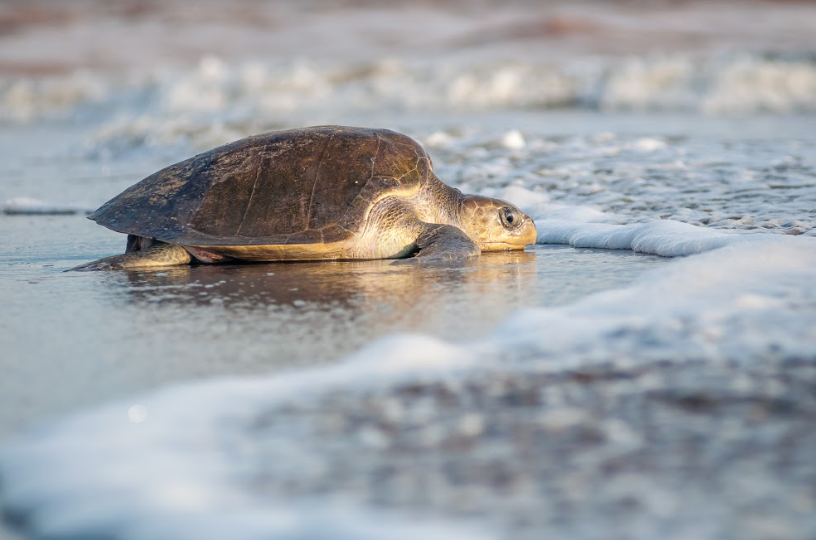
{"x":160,"y":70}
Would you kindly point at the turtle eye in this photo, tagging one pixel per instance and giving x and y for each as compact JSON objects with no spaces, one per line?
{"x":510,"y":218}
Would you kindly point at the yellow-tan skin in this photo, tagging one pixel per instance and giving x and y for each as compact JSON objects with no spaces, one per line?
{"x":394,"y":223}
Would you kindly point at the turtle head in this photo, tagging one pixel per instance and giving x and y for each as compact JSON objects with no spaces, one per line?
{"x":495,"y":225}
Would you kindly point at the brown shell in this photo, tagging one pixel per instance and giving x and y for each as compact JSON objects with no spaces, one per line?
{"x":300,"y":186}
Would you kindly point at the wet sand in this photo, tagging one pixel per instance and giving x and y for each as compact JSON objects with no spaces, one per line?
{"x":76,"y":339}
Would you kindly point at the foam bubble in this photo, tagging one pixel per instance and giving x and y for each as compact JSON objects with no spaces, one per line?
{"x":513,"y":140}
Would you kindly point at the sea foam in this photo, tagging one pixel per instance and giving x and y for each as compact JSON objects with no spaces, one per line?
{"x":221,"y":90}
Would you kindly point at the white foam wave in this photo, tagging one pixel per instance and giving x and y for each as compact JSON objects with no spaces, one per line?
{"x":745,"y":84}
{"x":29,"y":99}
{"x":721,"y":305}
{"x":28,"y":205}
{"x":665,"y":238}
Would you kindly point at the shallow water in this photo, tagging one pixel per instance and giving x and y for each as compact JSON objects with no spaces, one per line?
{"x":80,"y":338}
{"x":505,"y":351}
{"x":283,"y":382}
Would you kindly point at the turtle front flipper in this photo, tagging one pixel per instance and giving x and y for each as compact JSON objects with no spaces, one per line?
{"x":159,"y":254}
{"x":443,"y":244}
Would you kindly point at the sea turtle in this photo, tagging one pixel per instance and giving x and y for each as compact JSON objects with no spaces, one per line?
{"x":318,"y":193}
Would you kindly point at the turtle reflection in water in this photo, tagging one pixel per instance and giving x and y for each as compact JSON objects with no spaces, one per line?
{"x":319,"y":193}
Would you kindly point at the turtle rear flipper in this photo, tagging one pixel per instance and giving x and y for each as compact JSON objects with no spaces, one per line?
{"x":158,"y":255}
{"x":442,"y":244}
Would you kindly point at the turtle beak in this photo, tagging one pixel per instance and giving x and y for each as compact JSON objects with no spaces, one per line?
{"x":529,"y":233}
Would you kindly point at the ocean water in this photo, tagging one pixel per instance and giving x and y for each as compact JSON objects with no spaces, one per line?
{"x":646,"y":370}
